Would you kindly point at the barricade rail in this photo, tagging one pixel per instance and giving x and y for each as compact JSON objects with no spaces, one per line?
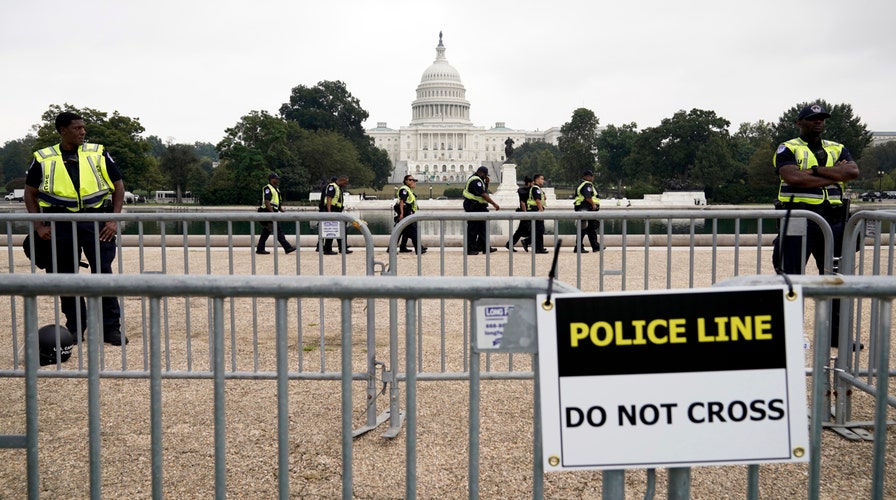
{"x":881,"y":291}
{"x":300,"y":295}
{"x":346,"y":290}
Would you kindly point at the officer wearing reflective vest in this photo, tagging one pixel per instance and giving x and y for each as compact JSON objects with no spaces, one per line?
{"x":406,"y":205}
{"x":586,"y":201}
{"x":536,"y":203}
{"x":332,"y":200}
{"x":813,"y":172}
{"x":271,"y":201}
{"x":75,"y":177}
{"x":477,"y":199}
{"x":525,"y":226}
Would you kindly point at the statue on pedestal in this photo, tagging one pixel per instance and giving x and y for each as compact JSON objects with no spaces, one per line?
{"x":508,"y":149}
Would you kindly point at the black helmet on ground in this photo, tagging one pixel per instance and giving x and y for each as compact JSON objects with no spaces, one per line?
{"x":47,"y":342}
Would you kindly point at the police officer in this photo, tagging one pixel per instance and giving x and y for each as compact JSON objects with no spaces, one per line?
{"x":405,"y":206}
{"x":271,"y":201}
{"x":586,"y":201}
{"x":477,"y":199}
{"x":813,"y":172}
{"x":331,"y":200}
{"x":525,"y":227}
{"x":535,"y":202}
{"x":74,"y":177}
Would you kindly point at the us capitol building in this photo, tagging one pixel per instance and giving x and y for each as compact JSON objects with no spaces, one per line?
{"x":441,"y":144}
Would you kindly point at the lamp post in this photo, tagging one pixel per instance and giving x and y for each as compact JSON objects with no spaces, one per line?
{"x":880,"y":183}
{"x":430,"y":191}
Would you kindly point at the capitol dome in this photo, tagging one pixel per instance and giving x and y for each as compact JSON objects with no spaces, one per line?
{"x":441,"y":96}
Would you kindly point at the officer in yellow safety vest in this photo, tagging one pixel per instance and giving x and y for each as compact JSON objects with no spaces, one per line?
{"x":536,"y":203}
{"x":271,"y":201}
{"x":407,"y":205}
{"x":586,"y":201}
{"x":332,"y":200}
{"x":78,"y":177}
{"x":813,"y":172}
{"x":477,"y":199}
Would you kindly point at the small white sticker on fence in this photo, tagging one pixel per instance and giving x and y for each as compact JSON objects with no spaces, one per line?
{"x":490,"y":321}
{"x":330,"y":229}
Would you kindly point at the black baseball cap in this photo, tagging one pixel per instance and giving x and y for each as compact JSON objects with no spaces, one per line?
{"x":587,"y":173}
{"x":482,"y":169}
{"x":813,"y":111}
{"x":273,"y":175}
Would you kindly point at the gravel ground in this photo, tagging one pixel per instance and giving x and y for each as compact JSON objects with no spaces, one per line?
{"x":315,"y":415}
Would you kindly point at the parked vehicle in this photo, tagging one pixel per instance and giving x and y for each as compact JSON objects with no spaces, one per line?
{"x":871,"y":196}
{"x":15,"y":195}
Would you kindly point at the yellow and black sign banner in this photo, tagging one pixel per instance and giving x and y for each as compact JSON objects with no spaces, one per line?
{"x":643,"y":334}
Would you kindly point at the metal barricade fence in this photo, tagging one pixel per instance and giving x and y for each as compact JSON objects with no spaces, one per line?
{"x":159,"y":250}
{"x":680,"y":252}
{"x":280,"y":352}
{"x":641,"y":258}
{"x":851,"y":370}
{"x":881,"y":291}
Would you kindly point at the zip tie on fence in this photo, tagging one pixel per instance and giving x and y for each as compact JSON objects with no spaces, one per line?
{"x":791,"y":295}
{"x":547,"y":305}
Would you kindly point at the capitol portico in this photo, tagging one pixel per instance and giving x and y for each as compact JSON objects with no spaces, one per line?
{"x":441,"y":143}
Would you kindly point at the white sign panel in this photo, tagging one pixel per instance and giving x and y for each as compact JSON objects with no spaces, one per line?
{"x":490,"y":321}
{"x":672,"y":379}
{"x":330,"y":229}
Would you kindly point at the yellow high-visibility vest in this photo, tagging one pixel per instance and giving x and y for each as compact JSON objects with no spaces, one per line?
{"x":57,"y":188}
{"x":805,"y":159}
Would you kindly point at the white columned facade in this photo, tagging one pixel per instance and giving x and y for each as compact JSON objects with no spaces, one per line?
{"x":441,"y":144}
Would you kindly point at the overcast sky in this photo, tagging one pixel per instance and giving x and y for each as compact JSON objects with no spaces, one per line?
{"x":189,"y":69}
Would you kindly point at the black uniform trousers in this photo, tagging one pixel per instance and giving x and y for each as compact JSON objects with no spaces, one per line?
{"x":793,"y":261}
{"x":71,"y":243}
{"x":267,"y":228}
{"x":328,"y":242}
{"x":539,"y":234}
{"x":476,"y":228}
{"x":589,"y":229}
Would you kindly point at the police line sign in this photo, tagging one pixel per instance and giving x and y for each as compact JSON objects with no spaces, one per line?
{"x":672,"y":378}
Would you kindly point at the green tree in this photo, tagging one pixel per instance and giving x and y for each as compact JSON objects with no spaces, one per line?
{"x":180,"y":163}
{"x":157,"y":147}
{"x":578,"y":144}
{"x":669,"y":151}
{"x":843,"y":127}
{"x":329,"y":106}
{"x":537,"y":157}
{"x":15,"y":157}
{"x":754,"y":148}
{"x":118,"y":133}
{"x":878,"y":158}
{"x":257,"y":145}
{"x":715,"y":166}
{"x":322,"y":149}
{"x":206,"y":150}
{"x":614,"y":146}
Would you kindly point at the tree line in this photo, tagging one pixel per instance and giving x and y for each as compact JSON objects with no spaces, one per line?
{"x":318,"y":133}
{"x":695,"y":150}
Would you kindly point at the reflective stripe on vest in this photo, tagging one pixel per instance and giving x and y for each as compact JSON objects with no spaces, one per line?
{"x":337,"y":197}
{"x":470,"y":196}
{"x":275,"y":198}
{"x":411,"y":198}
{"x":581,"y":198}
{"x":58,"y":190}
{"x":805,"y":160}
{"x":531,"y":203}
